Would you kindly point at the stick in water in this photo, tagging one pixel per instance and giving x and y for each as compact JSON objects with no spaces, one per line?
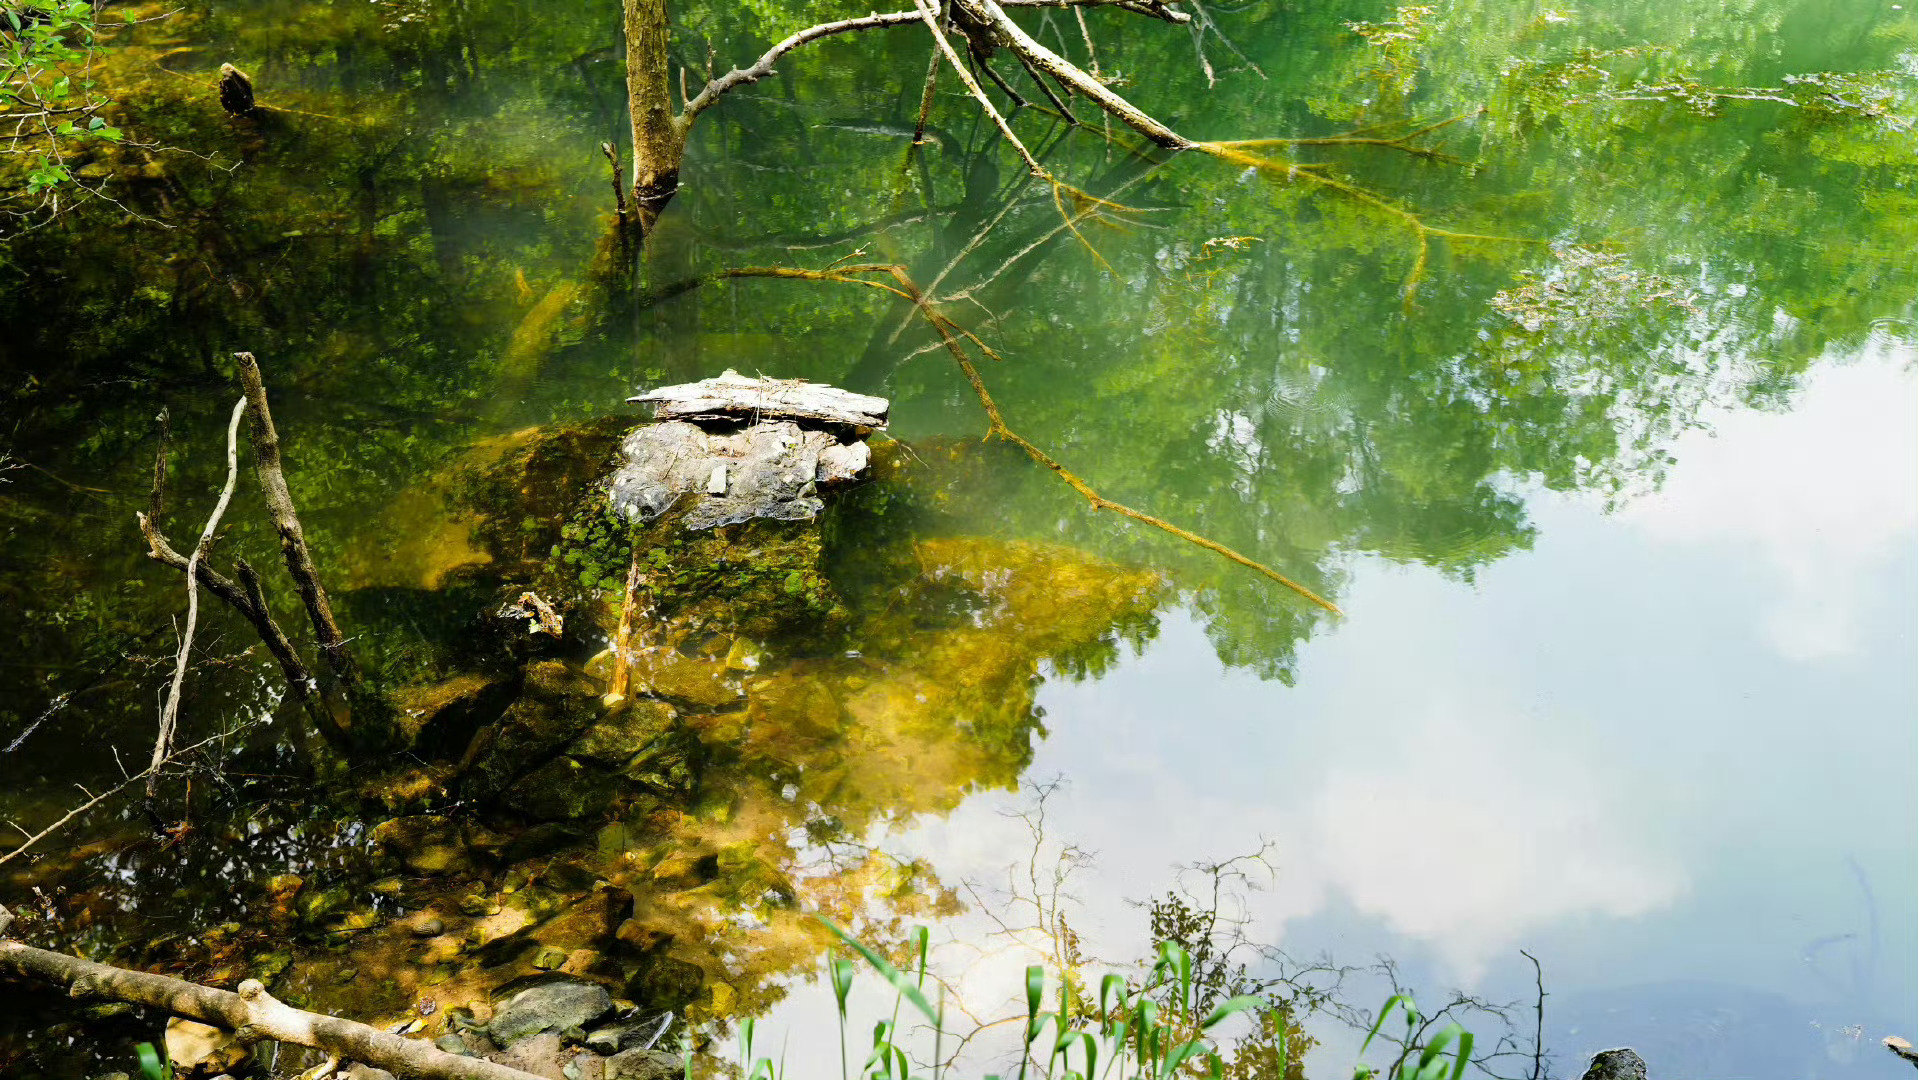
{"x":170,"y":714}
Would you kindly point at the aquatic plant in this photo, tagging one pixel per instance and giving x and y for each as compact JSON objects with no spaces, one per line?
{"x":1155,"y":1029}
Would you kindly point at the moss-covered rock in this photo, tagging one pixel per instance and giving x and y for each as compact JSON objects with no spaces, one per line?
{"x":423,"y":843}
{"x":556,"y":704}
{"x":563,"y":789}
{"x":440,"y":719}
{"x":624,"y":732}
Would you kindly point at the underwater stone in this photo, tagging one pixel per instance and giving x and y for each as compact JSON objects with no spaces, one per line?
{"x":549,"y":1006}
{"x":562,"y":790}
{"x":642,"y":1064}
{"x":1622,"y":1064}
{"x":665,"y":673}
{"x":621,"y":735}
{"x":423,"y":843}
{"x":558,"y":704}
{"x":772,"y":469}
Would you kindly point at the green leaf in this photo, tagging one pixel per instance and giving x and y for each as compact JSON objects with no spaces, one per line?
{"x":840,"y":970}
{"x":899,"y":981}
{"x":1231,"y":1007}
{"x":152,"y":1066}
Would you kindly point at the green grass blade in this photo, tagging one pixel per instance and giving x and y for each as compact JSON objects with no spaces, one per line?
{"x":1231,"y":1007}
{"x":892,"y":974}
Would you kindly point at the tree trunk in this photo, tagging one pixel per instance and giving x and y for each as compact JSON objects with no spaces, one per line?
{"x":659,"y":137}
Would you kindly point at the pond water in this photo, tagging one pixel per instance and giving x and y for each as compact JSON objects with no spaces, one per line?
{"x":1570,"y":353}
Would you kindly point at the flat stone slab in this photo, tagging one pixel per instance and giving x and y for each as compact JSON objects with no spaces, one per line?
{"x":733,"y":396}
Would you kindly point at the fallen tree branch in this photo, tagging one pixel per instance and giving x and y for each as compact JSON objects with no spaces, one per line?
{"x":1071,"y":75}
{"x":286,"y":521}
{"x":170,"y":713}
{"x":251,"y":1014}
{"x":249,"y":599}
{"x":763,"y":67}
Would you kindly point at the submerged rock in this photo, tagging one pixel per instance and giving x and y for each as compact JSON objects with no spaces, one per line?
{"x":639,"y":1064}
{"x":1621,"y":1064}
{"x":554,"y":1006}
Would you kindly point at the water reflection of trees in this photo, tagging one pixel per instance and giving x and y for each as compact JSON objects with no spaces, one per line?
{"x":1244,"y":361}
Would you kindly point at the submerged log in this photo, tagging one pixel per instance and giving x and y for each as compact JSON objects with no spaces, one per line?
{"x":733,"y":396}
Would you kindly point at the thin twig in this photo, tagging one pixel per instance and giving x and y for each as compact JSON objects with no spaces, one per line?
{"x":109,"y":793}
{"x":763,"y":67}
{"x":170,"y":714}
{"x":1538,"y":1031}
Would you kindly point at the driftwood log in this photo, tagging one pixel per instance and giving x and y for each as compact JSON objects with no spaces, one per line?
{"x":252,"y":1014}
{"x":733,"y":396}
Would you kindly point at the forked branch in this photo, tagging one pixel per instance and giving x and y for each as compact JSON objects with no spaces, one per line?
{"x":170,"y":712}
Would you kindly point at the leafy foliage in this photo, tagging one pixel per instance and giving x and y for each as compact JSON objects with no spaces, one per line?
{"x":50,"y":103}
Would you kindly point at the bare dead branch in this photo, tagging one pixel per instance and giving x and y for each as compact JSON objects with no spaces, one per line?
{"x":619,"y":180}
{"x":763,"y":67}
{"x":931,"y":19}
{"x":1138,"y":7}
{"x":1071,"y":75}
{"x":157,"y":502}
{"x":925,"y":98}
{"x":1538,"y":1030}
{"x":623,"y":637}
{"x":248,"y":601}
{"x":170,"y":713}
{"x":286,"y":521}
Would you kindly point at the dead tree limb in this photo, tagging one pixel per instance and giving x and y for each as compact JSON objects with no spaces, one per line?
{"x":245,"y":597}
{"x":1071,"y":75}
{"x":925,"y":98}
{"x":621,"y":679}
{"x":252,"y":1014}
{"x":170,"y":712}
{"x":286,"y":521}
{"x":763,"y":66}
{"x":1153,"y":8}
{"x":1901,"y":1047}
{"x":157,"y":503}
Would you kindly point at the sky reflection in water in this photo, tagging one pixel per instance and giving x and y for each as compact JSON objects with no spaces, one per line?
{"x":1667,"y":752}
